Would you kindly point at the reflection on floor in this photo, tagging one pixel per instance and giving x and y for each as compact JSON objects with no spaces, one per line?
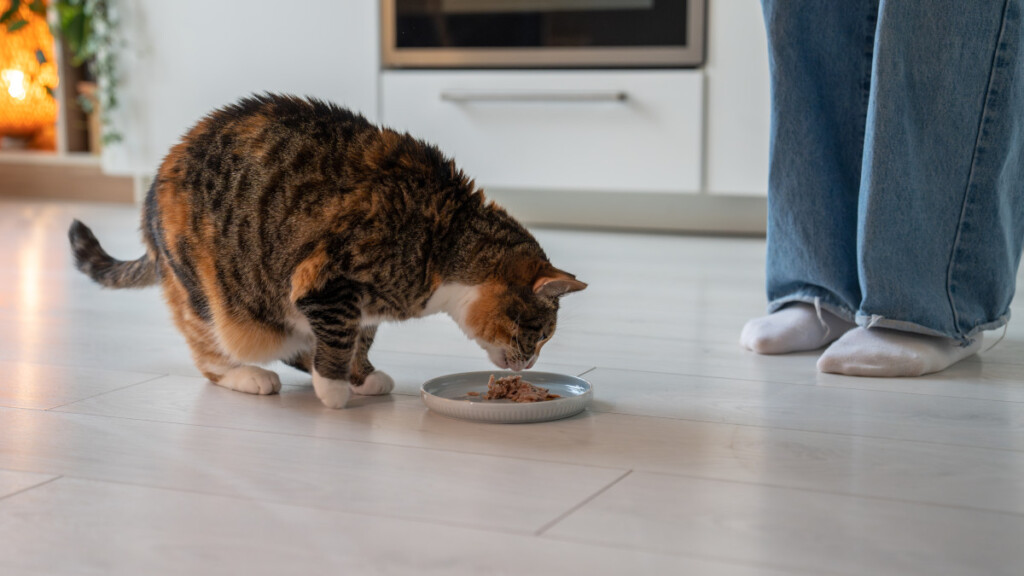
{"x":697,"y":457}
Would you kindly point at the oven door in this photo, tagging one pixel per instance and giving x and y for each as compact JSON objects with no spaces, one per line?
{"x":542,"y":33}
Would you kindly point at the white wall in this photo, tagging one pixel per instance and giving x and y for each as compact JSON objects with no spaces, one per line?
{"x":186,"y":57}
{"x":737,"y":104}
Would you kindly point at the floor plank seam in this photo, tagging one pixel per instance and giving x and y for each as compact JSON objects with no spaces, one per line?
{"x":795,"y":570}
{"x":52,"y":365}
{"x":32,"y":487}
{"x":999,"y":361}
{"x":590,"y":410}
{"x":322,"y":438}
{"x":105,"y":368}
{"x":284,"y":503}
{"x":806,"y":431}
{"x":633,"y":467}
{"x":540,"y":531}
{"x":819,"y":386}
{"x":926,"y":503}
{"x":73,"y":402}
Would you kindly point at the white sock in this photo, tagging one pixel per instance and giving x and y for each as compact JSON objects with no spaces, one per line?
{"x":885,"y":353}
{"x":795,"y":328}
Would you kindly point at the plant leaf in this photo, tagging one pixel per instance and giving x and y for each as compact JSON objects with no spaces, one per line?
{"x":38,"y":6}
{"x":10,"y":12}
{"x":40,"y":57}
{"x":66,"y":13}
{"x":74,"y":32}
{"x":14,"y":27}
{"x":49,"y":90}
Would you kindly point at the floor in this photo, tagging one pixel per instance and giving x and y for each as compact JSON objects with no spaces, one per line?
{"x":697,"y":457}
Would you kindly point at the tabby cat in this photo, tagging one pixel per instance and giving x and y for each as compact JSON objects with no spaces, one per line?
{"x":288,"y":228}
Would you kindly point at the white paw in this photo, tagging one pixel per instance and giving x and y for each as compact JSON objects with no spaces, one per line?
{"x":251,"y":379}
{"x":376,"y":383}
{"x":333,"y":393}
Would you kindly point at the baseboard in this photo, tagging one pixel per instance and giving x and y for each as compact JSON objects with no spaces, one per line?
{"x":74,"y":180}
{"x":701,"y":213}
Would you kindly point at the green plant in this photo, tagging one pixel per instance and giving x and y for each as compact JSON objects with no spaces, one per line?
{"x":89,"y":29}
{"x":13,"y":21}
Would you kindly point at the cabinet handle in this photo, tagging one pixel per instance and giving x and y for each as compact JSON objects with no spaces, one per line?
{"x":541,"y":96}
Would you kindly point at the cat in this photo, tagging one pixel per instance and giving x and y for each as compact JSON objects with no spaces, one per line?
{"x":287,"y":228}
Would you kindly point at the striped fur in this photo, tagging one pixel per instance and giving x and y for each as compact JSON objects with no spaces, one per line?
{"x":284,"y":228}
{"x":93,"y":261}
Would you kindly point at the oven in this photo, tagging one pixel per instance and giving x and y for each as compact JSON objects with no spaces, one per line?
{"x":542,"y":33}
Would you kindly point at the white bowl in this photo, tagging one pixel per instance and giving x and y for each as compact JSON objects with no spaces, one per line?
{"x":447,"y":395}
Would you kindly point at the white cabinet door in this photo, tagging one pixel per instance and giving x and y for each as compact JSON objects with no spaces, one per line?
{"x":738,"y":98}
{"x":186,"y":57}
{"x":626,"y":131}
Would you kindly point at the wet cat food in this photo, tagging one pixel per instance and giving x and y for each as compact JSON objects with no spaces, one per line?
{"x":516,"y":389}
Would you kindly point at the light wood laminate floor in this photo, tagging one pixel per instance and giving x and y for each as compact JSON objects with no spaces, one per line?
{"x":697,"y":457}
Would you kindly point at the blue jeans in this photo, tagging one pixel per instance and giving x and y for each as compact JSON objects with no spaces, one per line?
{"x":896,"y":187}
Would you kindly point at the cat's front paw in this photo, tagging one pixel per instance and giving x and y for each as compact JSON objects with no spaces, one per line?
{"x":333,"y":393}
{"x":376,"y":384}
{"x":251,"y":379}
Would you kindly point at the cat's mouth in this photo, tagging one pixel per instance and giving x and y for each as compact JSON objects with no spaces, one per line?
{"x":520,"y":365}
{"x":502,"y":359}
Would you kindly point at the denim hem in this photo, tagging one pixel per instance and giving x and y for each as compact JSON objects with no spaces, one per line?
{"x":989,"y":112}
{"x":835,"y":309}
{"x":877,"y":321}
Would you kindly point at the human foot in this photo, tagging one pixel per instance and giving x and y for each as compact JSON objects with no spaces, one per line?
{"x":885,"y":353}
{"x":795,"y":328}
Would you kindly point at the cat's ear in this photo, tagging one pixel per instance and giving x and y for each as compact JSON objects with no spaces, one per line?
{"x":553,"y":283}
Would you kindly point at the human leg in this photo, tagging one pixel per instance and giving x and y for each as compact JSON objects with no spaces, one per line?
{"x":941,"y":215}
{"x":941,"y":209}
{"x":820,"y":56}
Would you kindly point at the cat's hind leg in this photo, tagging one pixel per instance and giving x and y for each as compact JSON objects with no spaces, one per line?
{"x":250,"y":379}
{"x":364,"y":378}
{"x":207,"y":354}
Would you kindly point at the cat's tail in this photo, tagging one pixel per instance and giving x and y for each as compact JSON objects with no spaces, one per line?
{"x":95,"y":263}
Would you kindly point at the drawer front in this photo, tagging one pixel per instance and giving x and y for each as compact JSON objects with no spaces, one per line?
{"x":557,"y":130}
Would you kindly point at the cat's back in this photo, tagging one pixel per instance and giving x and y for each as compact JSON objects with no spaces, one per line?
{"x":281,"y":142}
{"x":269,"y":131}
{"x":266,"y":162}
{"x":271,"y":118}
{"x":291,"y":171}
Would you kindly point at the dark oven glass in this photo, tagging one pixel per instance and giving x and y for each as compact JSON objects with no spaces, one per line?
{"x":540,"y":23}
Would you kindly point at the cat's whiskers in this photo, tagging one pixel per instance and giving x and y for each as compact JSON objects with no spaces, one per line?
{"x":515,"y":332}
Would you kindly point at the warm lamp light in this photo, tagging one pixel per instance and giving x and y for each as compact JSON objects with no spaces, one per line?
{"x":25,"y":106}
{"x":15,"y":82}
